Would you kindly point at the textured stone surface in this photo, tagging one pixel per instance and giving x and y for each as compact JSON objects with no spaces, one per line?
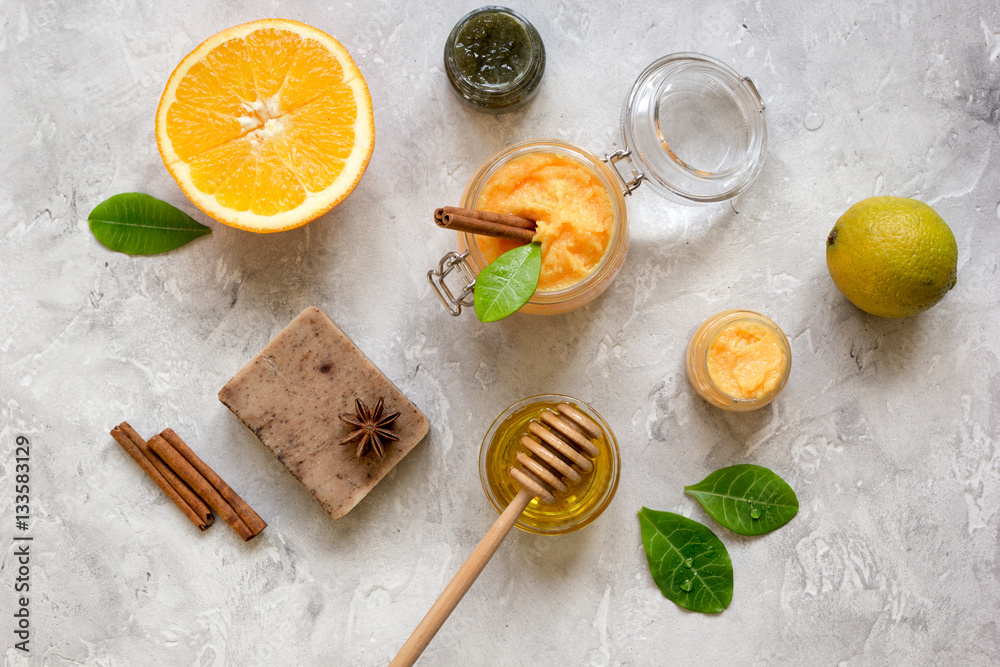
{"x":889,"y":430}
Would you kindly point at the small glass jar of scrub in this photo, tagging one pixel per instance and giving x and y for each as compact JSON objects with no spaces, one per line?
{"x":739,"y":360}
{"x":494,"y":59}
{"x":693,"y":128}
{"x":574,"y":508}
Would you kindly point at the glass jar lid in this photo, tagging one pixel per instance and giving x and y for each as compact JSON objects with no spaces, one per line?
{"x":697,"y":128}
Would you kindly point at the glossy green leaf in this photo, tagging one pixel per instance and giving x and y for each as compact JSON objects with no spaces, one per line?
{"x":746,"y":499}
{"x":137,"y":224}
{"x":688,"y":562}
{"x":507,"y":284}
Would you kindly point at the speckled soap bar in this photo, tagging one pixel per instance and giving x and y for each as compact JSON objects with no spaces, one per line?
{"x":291,"y":395}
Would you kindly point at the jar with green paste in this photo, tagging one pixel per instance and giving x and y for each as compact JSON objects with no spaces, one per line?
{"x":494,"y":59}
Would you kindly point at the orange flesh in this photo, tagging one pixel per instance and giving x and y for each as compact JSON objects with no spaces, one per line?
{"x":214,"y":123}
{"x":746,"y":360}
{"x":266,"y":125}
{"x":570,"y":206}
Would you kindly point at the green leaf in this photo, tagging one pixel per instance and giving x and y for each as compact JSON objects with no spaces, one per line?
{"x":746,"y":499}
{"x":137,"y":224}
{"x":507,"y":284}
{"x":688,"y":562}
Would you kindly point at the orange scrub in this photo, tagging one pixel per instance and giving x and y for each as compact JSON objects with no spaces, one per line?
{"x":570,"y":206}
{"x":746,"y":360}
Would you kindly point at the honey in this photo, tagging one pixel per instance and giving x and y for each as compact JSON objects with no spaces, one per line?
{"x":579,"y":504}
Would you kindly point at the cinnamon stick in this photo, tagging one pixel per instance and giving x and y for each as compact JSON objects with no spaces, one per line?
{"x":183,"y":490}
{"x":501,"y":218}
{"x":135,"y":446}
{"x":250,"y":518}
{"x":485,"y":223}
{"x":201,"y":486}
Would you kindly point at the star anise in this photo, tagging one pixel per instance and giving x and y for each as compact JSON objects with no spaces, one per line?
{"x":372,"y":428}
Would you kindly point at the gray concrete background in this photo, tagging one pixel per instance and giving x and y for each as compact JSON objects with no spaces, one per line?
{"x":889,"y":430}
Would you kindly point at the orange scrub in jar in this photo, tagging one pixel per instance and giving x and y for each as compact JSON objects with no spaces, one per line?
{"x":739,"y":360}
{"x":746,"y":360}
{"x":572,"y":210}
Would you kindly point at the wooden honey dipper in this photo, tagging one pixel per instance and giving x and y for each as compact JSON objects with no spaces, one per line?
{"x":561,"y":452}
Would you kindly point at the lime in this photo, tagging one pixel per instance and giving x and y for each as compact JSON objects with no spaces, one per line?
{"x":892,"y":256}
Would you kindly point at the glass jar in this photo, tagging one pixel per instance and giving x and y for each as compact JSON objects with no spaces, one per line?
{"x":692,"y":126}
{"x":698,"y":359}
{"x":574,"y":296}
{"x":697,"y":127}
{"x":573,"y":509}
{"x":494,"y":59}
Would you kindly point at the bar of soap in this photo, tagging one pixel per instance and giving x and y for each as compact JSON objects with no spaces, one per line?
{"x":291,"y":395}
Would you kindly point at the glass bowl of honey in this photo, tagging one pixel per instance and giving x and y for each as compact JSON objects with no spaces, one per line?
{"x":574,"y":508}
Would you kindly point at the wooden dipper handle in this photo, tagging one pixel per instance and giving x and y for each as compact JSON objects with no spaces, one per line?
{"x":461,"y":582}
{"x":576,"y":428}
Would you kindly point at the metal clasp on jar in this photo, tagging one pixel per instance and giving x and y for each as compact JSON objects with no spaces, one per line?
{"x":628,"y":186}
{"x":753,"y":89}
{"x":450,"y":262}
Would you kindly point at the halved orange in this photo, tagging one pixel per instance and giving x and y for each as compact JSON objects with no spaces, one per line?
{"x":266,"y":125}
